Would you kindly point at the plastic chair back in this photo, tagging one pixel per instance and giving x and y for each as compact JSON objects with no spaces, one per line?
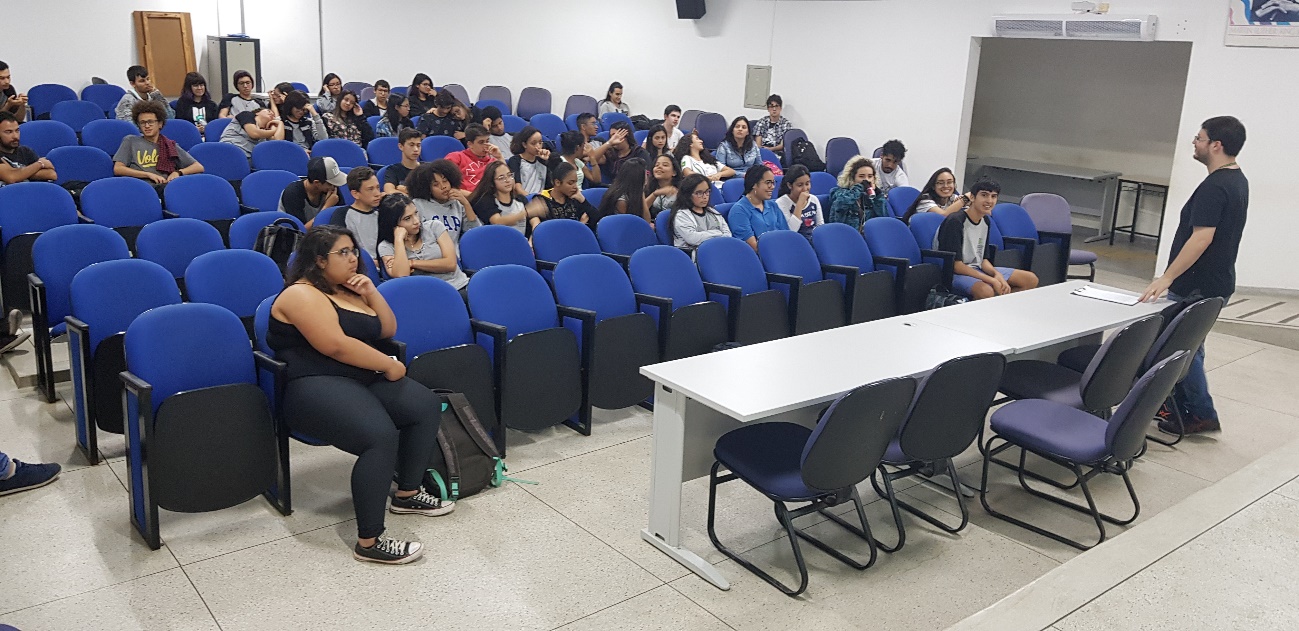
{"x":41,"y":98}
{"x":76,"y":114}
{"x":842,"y":450}
{"x":83,"y":164}
{"x":105,"y":95}
{"x":222,"y":160}
{"x":513,"y":296}
{"x":44,"y":136}
{"x":174,"y":243}
{"x":59,"y":253}
{"x":202,"y":196}
{"x":262,"y":190}
{"x":580,"y":104}
{"x":1013,"y":221}
{"x":663,"y":270}
{"x":184,"y":133}
{"x":1126,"y":434}
{"x":491,"y":245}
{"x":280,"y":154}
{"x":107,"y":135}
{"x":385,"y":151}
{"x":624,"y":234}
{"x":557,"y":239}
{"x":533,"y":101}
{"x":950,"y":407}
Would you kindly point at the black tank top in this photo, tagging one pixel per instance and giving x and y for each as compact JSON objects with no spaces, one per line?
{"x":305,"y":361}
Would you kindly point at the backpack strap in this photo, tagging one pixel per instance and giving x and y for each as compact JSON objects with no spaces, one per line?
{"x":469,"y":420}
{"x":453,"y":468}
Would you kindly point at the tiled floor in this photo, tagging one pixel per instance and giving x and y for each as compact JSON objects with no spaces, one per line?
{"x":566,"y":553}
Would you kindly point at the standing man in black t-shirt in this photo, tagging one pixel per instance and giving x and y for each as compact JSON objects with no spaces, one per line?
{"x":10,"y":100}
{"x":19,"y":163}
{"x":1203,"y":257}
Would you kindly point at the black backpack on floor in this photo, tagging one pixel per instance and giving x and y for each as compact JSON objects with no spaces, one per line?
{"x":278,"y":241}
{"x":804,"y":153}
{"x":467,"y":460}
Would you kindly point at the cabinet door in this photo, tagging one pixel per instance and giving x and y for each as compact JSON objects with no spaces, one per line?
{"x":166,"y":45}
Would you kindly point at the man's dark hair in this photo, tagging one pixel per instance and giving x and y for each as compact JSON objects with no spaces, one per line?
{"x":583,"y":117}
{"x":491,"y":111}
{"x":444,"y":99}
{"x":136,"y":72}
{"x":894,"y":148}
{"x":293,"y":100}
{"x":753,"y":176}
{"x":985,"y":184}
{"x":285,"y":88}
{"x":569,"y":141}
{"x":474,"y":131}
{"x":3,"y":66}
{"x":357,"y":177}
{"x":7,"y":116}
{"x":408,"y":133}
{"x":420,"y":181}
{"x":669,"y":109}
{"x":1227,"y":130}
{"x":382,"y":83}
{"x":775,"y":98}
{"x":148,"y":106}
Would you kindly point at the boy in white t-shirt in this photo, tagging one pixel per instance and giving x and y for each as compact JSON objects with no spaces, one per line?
{"x":889,"y":166}
{"x":671,"y":120}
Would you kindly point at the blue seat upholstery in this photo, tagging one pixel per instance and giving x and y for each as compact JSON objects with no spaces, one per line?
{"x":174,"y":243}
{"x":822,"y":184}
{"x":105,"y":95}
{"x":76,"y":114}
{"x":438,"y":147}
{"x":346,"y":153}
{"x":732,"y":190}
{"x":900,"y":199}
{"x":513,"y":124}
{"x":550,"y":125}
{"x":262,"y":190}
{"x":81,"y":164}
{"x":711,"y":128}
{"x":838,"y":151}
{"x":244,"y":230}
{"x":43,"y":136}
{"x":204,"y":196}
{"x":280,"y":154}
{"x":105,"y":298}
{"x":385,"y":151}
{"x":238,"y":280}
{"x":622,"y":235}
{"x":490,"y":245}
{"x":607,"y":120}
{"x":1044,"y":253}
{"x":503,"y":106}
{"x":41,"y":98}
{"x":737,"y":280}
{"x":222,"y":159}
{"x":554,"y":240}
{"x":27,"y":209}
{"x":183,"y":132}
{"x":815,"y":302}
{"x":124,"y":204}
{"x":661,"y":228}
{"x":788,"y":145}
{"x":107,"y":135}
{"x":916,"y":270}
{"x":844,"y":250}
{"x":213,"y":129}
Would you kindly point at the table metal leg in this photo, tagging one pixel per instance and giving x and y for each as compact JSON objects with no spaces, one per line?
{"x":667,"y":460}
{"x":1109,"y":204}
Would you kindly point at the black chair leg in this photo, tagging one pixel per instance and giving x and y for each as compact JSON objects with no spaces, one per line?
{"x":864,"y":532}
{"x":1171,"y":404}
{"x":786,"y":522}
{"x":888,"y":493}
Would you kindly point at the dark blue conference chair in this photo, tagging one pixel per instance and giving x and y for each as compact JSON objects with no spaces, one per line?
{"x":845,"y":257}
{"x":533,"y":101}
{"x":732,"y":190}
{"x":838,"y":151}
{"x":223,"y":160}
{"x":125,"y":204}
{"x":238,"y":280}
{"x":515,"y":318}
{"x":711,"y":128}
{"x":513,"y":124}
{"x":669,"y":288}
{"x":915,"y":269}
{"x":615,"y":338}
{"x":621,"y":235}
{"x":106,"y":297}
{"x":821,"y":467}
{"x":200,"y":432}
{"x":438,"y":147}
{"x":490,"y":245}
{"x":282,"y":155}
{"x":607,"y":120}
{"x":733,"y":275}
{"x":550,"y":126}
{"x":262,"y":190}
{"x":1075,"y":440}
{"x":26,"y":210}
{"x":816,"y":303}
{"x":554,"y":240}
{"x":57,"y":255}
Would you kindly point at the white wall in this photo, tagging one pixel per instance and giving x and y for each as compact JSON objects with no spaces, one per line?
{"x":848,"y":67}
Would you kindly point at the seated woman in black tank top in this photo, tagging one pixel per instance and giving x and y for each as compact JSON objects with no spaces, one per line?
{"x":344,"y":391}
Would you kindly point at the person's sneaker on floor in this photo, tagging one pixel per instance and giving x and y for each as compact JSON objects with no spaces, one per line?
{"x":1165,"y":413}
{"x":1191,"y":424}
{"x":29,"y":476}
{"x":389,"y":551}
{"x":421,"y":503}
{"x":10,"y":342}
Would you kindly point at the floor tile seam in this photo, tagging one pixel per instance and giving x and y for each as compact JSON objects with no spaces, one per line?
{"x":201,"y":598}
{"x":586,"y":453}
{"x":1170,"y":552}
{"x":608,"y":607}
{"x":1290,"y":414}
{"x":267,"y":542}
{"x":699,"y":604}
{"x":1230,"y":362}
{"x":122,"y":582}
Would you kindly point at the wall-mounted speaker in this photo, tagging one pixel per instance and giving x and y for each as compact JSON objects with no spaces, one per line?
{"x":690,"y":9}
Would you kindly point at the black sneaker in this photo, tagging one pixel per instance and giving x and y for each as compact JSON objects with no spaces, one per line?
{"x":29,"y":476}
{"x":421,"y":503}
{"x":389,"y":551}
{"x":10,"y":342}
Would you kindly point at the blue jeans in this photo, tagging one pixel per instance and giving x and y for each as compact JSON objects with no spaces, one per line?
{"x":1192,"y":394}
{"x":4,"y":465}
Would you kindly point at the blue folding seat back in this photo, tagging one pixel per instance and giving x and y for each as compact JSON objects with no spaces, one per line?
{"x":733,"y":190}
{"x":81,"y":164}
{"x":570,"y":120}
{"x":550,"y":125}
{"x":822,"y":183}
{"x":788,"y":252}
{"x":121,"y":202}
{"x":724,"y":209}
{"x":924,"y":227}
{"x":238,"y":280}
{"x":202,"y":196}
{"x":412,"y":299}
{"x":346,"y":153}
{"x":607,"y":120}
{"x":262,"y":190}
{"x":222,"y":160}
{"x":105,"y":95}
{"x":711,"y":128}
{"x":900,"y":199}
{"x":108,"y":296}
{"x":839,"y":244}
{"x":373,"y":121}
{"x":438,"y":147}
{"x":43,"y":136}
{"x":41,"y":98}
{"x":212,"y":131}
{"x":731,"y":262}
{"x":1014,"y":221}
{"x":513,"y":124}
{"x":174,"y":243}
{"x":661,"y":229}
{"x":107,"y":134}
{"x":280,"y":154}
{"x":887,"y":236}
{"x":663,"y":270}
{"x":624,"y":234}
{"x":767,"y":155}
{"x":76,"y":114}
{"x":596,"y":283}
{"x":61,"y":252}
{"x":183,"y":132}
{"x":595,"y":195}
{"x":384,"y":150}
{"x":556,"y":239}
{"x":33,"y":207}
{"x":490,"y":245}
{"x":513,"y":296}
{"x":244,"y":230}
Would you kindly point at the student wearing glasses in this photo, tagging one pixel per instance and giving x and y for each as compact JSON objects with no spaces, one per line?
{"x":421,"y":95}
{"x":495,"y":202}
{"x":151,"y":156}
{"x":756,"y":213}
{"x":770,"y":131}
{"x":693,"y":221}
{"x":344,"y":391}
{"x":242,"y":101}
{"x":330,"y":87}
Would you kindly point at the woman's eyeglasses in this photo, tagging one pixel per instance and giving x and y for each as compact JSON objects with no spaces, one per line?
{"x":347,"y":252}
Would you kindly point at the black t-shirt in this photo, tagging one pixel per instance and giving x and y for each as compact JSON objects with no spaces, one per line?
{"x":21,"y":157}
{"x":433,"y":125}
{"x":395,"y":175}
{"x":295,"y":201}
{"x":1219,"y":202}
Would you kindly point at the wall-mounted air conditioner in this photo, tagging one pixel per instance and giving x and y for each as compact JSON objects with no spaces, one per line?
{"x":1077,"y":26}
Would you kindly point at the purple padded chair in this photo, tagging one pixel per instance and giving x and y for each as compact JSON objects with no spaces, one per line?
{"x":1050,"y":213}
{"x":580,"y":104}
{"x":533,"y":101}
{"x":497,"y":93}
{"x":1074,"y":439}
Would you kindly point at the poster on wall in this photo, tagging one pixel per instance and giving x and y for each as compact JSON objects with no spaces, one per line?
{"x":1273,"y":23}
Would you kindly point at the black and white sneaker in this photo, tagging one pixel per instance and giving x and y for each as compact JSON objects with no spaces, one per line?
{"x":421,"y":503}
{"x":389,"y":551}
{"x":10,"y":342}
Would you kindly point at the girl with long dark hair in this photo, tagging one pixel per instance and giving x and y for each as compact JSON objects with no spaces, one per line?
{"x":693,"y":221}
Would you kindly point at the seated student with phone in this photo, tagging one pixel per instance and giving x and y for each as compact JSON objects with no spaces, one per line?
{"x":965,"y":232}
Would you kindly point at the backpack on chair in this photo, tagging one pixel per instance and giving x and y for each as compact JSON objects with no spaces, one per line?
{"x":278,"y":241}
{"x":467,"y":460}
{"x":804,"y":153}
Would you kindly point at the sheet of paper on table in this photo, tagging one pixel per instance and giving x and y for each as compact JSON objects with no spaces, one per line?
{"x":1106,"y":295}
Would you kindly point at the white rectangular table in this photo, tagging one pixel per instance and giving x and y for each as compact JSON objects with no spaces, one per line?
{"x":698,"y":399}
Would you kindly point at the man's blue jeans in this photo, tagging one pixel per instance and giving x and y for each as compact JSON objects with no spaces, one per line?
{"x":1192,"y":394}
{"x":4,"y":465}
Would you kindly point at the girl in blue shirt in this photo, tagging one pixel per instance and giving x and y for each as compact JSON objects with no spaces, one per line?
{"x":756,"y":213}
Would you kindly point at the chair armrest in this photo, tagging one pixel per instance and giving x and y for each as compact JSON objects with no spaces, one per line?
{"x":77,"y":325}
{"x":84,"y":219}
{"x":948,"y":263}
{"x":587,"y":319}
{"x":850,"y":275}
{"x":167,"y":214}
{"x":35,"y":281}
{"x":390,"y":346}
{"x":543,"y":265}
{"x":576,"y":313}
{"x":791,"y":298}
{"x":896,"y":262}
{"x":500,"y":337}
{"x":730,"y":291}
{"x":656,"y":301}
{"x":784,"y":279}
{"x":733,"y":295}
{"x":137,"y":387}
{"x":623,"y":259}
{"x":664,"y":306}
{"x":846,"y":270}
{"x":266,"y":362}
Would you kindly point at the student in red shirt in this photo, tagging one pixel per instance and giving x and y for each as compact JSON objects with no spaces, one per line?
{"x":473,"y":160}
